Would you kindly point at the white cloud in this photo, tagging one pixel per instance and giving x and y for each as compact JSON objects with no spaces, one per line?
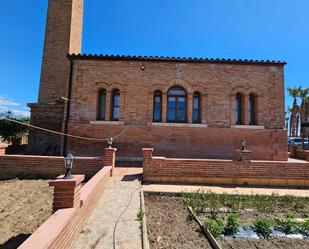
{"x":7,"y":105}
{"x":4,"y":101}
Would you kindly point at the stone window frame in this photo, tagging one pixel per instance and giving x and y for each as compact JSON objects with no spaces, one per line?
{"x":100,"y":92}
{"x":157,"y":93}
{"x":253,"y":114}
{"x":109,"y":87}
{"x":190,"y":89}
{"x":197,"y":95}
{"x":115,"y":92}
{"x":239,"y":111}
{"x":176,"y":96}
{"x":246,"y":92}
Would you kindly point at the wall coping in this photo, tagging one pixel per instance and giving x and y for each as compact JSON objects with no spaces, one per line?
{"x":87,"y":189}
{"x":260,"y":127}
{"x":49,"y":157}
{"x":190,"y":125}
{"x":102,"y":122}
{"x":227,"y":160}
{"x":191,"y":159}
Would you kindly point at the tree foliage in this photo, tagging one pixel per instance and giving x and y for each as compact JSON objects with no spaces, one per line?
{"x":12,"y":132}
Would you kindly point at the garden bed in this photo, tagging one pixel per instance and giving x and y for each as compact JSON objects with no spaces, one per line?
{"x":24,"y":206}
{"x":169,"y":227}
{"x":253,"y":221}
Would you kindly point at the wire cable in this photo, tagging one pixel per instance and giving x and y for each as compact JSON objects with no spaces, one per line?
{"x":63,"y":134}
{"x":117,"y":221}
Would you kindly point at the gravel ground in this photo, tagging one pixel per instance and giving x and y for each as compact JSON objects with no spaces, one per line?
{"x":24,"y":206}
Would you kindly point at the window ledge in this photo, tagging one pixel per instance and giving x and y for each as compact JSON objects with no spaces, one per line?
{"x":248,"y":126}
{"x":100,"y":122}
{"x":191,"y":125}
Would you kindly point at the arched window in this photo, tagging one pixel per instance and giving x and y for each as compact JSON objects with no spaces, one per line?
{"x":239,"y":109}
{"x":101,"y":105}
{"x":196,"y":112}
{"x":176,"y":105}
{"x":115,"y":107}
{"x":157,"y":106}
{"x":252,"y":109}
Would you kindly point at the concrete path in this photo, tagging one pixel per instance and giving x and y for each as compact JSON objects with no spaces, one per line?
{"x":122,"y":196}
{"x":178,"y":188}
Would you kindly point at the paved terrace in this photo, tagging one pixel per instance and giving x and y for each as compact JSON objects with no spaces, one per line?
{"x":122,"y":197}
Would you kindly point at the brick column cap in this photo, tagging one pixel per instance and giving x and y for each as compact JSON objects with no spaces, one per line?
{"x":111,"y":149}
{"x":148,"y":149}
{"x":244,"y":151}
{"x":59,"y":181}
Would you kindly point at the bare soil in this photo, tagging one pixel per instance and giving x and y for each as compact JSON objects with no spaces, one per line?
{"x":24,"y":206}
{"x":169,"y":227}
{"x":272,"y":243}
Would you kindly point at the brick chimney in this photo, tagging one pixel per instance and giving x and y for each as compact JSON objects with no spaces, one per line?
{"x":63,"y":35}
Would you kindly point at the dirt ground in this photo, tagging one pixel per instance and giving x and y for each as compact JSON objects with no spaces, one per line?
{"x":272,"y":243}
{"x":24,"y":206}
{"x":168,"y":225}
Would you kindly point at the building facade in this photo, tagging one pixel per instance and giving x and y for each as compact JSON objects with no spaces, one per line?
{"x":182,"y":107}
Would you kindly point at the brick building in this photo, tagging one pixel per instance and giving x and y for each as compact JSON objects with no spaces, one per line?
{"x":182,"y":107}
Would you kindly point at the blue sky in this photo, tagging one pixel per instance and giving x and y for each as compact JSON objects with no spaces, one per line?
{"x":251,"y":29}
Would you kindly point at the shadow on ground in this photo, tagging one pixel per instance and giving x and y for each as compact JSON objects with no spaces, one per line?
{"x":15,"y":241}
{"x":130,"y":178}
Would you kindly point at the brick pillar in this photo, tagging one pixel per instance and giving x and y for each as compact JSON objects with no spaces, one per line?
{"x":147,"y":158}
{"x":2,"y":150}
{"x":150,"y":108}
{"x":204,"y":108}
{"x":110,"y":158}
{"x":189,"y":107}
{"x":233,"y":108}
{"x":66,"y":192}
{"x":243,"y":155}
{"x":293,"y":149}
{"x":246,"y":109}
{"x":108,"y":105}
{"x":164,"y":106}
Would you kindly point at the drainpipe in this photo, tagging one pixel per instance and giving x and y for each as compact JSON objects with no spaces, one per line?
{"x":66,"y":124}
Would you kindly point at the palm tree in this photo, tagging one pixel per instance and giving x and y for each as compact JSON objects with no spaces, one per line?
{"x":303,"y":93}
{"x":288,"y":119}
{"x":294,"y":92}
{"x":306,"y":109}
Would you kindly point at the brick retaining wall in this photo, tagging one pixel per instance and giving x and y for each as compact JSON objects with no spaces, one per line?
{"x":60,"y":230}
{"x":162,"y":170}
{"x":46,"y":166}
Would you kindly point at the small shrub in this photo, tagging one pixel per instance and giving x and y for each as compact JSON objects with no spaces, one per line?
{"x":215,"y":226}
{"x":288,"y":224}
{"x":232,"y":224}
{"x":140,"y":215}
{"x":262,"y":226}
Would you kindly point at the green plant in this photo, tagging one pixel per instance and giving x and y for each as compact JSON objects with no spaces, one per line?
{"x":12,"y":132}
{"x":303,"y":227}
{"x":288,"y":224}
{"x":215,"y":226}
{"x":232,"y":224}
{"x":262,"y":226}
{"x":140,"y":215}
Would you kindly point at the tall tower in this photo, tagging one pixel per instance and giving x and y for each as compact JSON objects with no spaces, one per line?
{"x":63,"y":35}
